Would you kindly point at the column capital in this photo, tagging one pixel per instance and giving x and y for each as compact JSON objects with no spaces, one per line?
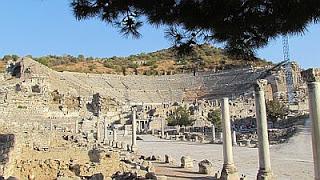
{"x":260,"y":84}
{"x":311,"y":75}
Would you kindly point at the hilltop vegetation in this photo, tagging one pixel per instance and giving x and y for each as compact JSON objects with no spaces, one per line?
{"x":203,"y":58}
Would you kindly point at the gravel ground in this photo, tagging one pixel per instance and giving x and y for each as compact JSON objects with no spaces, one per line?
{"x":292,"y":160}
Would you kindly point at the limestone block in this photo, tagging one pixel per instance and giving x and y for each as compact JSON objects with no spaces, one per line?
{"x":150,"y":169}
{"x":168,"y":159}
{"x":205,"y":167}
{"x":151,"y":175}
{"x":186,"y":162}
{"x":118,"y":144}
{"x":123,"y":145}
{"x":196,"y":139}
{"x":247,"y":143}
{"x":128,"y":147}
{"x":201,"y":139}
{"x":162,"y":178}
{"x":155,"y":158}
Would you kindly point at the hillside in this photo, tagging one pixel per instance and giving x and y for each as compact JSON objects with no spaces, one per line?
{"x":203,"y":58}
{"x":2,"y":66}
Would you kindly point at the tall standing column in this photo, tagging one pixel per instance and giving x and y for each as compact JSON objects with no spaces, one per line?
{"x":138,"y":126}
{"x":213,"y":133}
{"x":134,"y":146}
{"x":162,"y":127}
{"x":234,"y":138}
{"x":99,"y":138}
{"x":114,"y":135}
{"x":229,"y":171}
{"x":265,"y":172}
{"x":105,"y":132}
{"x":312,"y":76}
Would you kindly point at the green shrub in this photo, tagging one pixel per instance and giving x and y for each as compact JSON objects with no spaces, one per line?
{"x":22,"y":107}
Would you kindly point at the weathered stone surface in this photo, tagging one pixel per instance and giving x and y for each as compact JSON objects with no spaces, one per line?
{"x":151,"y":175}
{"x":311,"y":75}
{"x":205,"y":167}
{"x":168,"y":159}
{"x":186,"y":162}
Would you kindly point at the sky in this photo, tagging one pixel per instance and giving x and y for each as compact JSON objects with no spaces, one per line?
{"x":48,"y":27}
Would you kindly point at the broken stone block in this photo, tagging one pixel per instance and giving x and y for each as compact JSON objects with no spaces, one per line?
{"x":205,"y":167}
{"x":168,"y":159}
{"x":151,"y":175}
{"x":155,"y":158}
{"x":128,"y":147}
{"x":186,"y":162}
{"x":196,"y":139}
{"x":123,"y":145}
{"x":247,"y":143}
{"x":162,"y":178}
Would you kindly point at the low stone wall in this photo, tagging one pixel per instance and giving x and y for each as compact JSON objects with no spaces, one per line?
{"x":7,"y":142}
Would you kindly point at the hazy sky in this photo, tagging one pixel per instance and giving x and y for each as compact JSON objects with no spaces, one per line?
{"x":43,"y":27}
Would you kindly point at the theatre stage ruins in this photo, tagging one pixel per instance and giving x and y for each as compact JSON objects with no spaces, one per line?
{"x":60,"y":125}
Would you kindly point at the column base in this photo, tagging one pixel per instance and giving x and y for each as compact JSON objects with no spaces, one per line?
{"x":134,"y":148}
{"x":265,"y":175}
{"x":106,"y":142}
{"x":114,"y":144}
{"x":229,"y":172}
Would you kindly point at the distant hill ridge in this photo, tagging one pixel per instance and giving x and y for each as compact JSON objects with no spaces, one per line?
{"x":203,"y":58}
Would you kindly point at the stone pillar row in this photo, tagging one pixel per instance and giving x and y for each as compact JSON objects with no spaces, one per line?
{"x":229,"y":171}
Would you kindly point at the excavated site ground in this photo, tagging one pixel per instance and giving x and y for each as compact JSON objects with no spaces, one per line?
{"x":290,"y":161}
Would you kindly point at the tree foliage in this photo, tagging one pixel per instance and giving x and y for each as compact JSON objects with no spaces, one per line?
{"x":276,"y":110}
{"x":12,"y":57}
{"x":180,"y":117}
{"x":243,"y":25}
{"x":214,"y":116}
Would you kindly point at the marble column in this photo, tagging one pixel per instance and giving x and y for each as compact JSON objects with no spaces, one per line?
{"x":138,"y":126}
{"x":213,"y":133}
{"x":134,"y":146}
{"x":125,"y":131}
{"x":265,"y":171}
{"x":105,"y":133}
{"x":229,"y":171}
{"x":221,"y":136}
{"x":312,"y":76}
{"x":114,"y":135}
{"x":162,"y":127}
{"x":234,"y":138}
{"x":141,"y":126}
{"x":98,"y":132}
